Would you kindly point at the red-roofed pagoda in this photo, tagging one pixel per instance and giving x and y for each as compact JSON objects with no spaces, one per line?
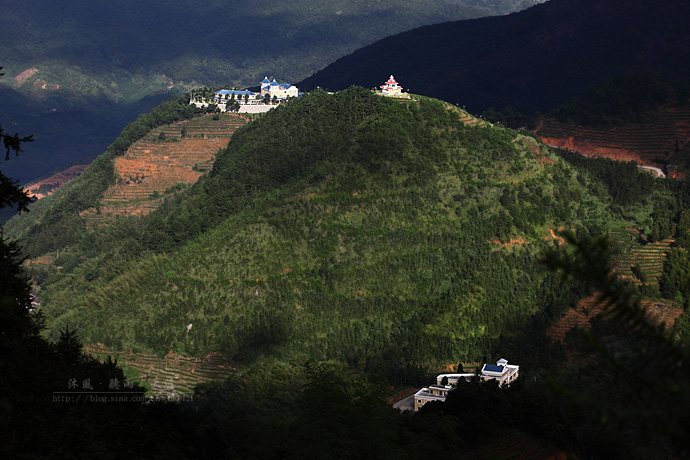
{"x":391,"y":88}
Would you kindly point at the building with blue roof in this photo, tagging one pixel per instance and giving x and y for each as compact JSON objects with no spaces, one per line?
{"x":502,"y":371}
{"x":243,"y":97}
{"x":278,"y":91}
{"x":250,"y":102}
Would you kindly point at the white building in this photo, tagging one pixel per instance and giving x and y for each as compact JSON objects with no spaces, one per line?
{"x":431,"y":393}
{"x":279,"y":91}
{"x":503,"y":372}
{"x":249,"y":101}
{"x":242,"y":97}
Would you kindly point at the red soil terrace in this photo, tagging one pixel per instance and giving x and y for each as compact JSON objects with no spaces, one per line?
{"x":669,"y":134}
{"x":649,"y":258}
{"x":49,"y":185}
{"x":21,"y":78}
{"x":659,"y":312}
{"x":154,"y":166}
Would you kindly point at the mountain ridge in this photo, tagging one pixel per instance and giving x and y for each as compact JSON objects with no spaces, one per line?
{"x":535,"y":59}
{"x":350,"y":200}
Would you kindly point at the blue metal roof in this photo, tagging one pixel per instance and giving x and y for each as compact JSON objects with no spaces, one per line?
{"x":266,"y":80}
{"x":493,"y":368}
{"x":229,"y":92}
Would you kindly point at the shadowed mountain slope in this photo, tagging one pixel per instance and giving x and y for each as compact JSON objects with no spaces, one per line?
{"x":535,"y":59}
{"x":234,"y":42}
{"x":665,"y":141}
{"x":636,"y":117}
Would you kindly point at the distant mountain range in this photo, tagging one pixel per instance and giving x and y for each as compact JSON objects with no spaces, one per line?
{"x":533,"y":60}
{"x":76,"y":75}
{"x":213,"y":41}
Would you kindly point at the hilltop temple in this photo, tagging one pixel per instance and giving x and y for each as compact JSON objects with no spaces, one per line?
{"x":391,"y":88}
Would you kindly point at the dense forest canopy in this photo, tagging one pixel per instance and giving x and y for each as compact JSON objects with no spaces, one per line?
{"x":379,"y":236}
{"x":624,"y":100}
{"x":341,"y":226}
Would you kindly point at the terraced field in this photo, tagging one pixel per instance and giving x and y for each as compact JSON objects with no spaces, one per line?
{"x":44,"y":261}
{"x":649,"y":258}
{"x":49,"y":185}
{"x":665,"y":313}
{"x":469,"y":119}
{"x":577,"y":317}
{"x":667,"y":138}
{"x":173,"y":375}
{"x":163,"y":163}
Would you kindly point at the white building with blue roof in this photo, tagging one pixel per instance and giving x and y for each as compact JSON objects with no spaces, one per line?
{"x":243,"y":97}
{"x":280,"y":92}
{"x":249,"y":101}
{"x":445,"y":383}
{"x":503,"y":372}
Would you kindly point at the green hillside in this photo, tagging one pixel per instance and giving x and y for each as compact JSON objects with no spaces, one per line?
{"x":391,"y":239}
{"x":346,"y":226}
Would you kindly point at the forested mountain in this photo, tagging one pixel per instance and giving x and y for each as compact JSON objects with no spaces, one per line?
{"x":389,"y":238}
{"x":75,"y":76}
{"x":342,"y":226}
{"x":536,"y":59}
